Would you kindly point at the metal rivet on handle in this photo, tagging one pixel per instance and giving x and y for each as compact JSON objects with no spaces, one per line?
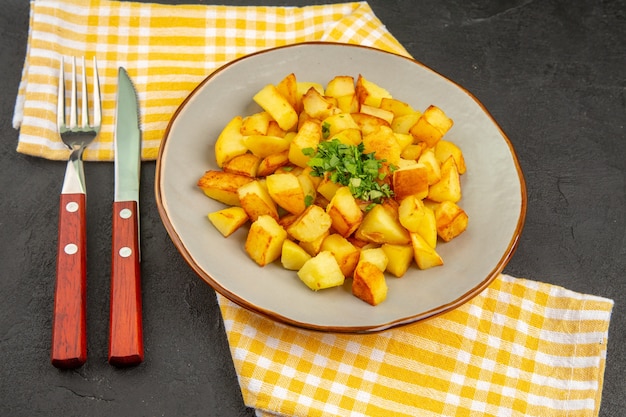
{"x":125,"y":252}
{"x":70,"y":249}
{"x":72,"y":206}
{"x":125,"y":213}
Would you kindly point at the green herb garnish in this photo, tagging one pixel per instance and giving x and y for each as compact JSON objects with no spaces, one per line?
{"x":348,"y":165}
{"x":325,"y":130}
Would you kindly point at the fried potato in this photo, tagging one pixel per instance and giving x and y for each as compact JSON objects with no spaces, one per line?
{"x":273,"y":102}
{"x":368,"y":283}
{"x":222,"y":186}
{"x":321,"y":272}
{"x":265,"y":239}
{"x":229,"y":143}
{"x":228,"y":220}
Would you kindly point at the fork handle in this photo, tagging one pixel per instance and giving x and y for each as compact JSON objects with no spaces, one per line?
{"x":125,"y":327}
{"x":69,"y":324}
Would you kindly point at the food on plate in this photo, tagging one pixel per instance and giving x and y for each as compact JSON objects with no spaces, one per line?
{"x":339,"y":182}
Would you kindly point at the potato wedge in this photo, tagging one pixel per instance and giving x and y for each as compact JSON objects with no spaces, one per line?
{"x":265,"y":239}
{"x":256,"y":124}
{"x":310,"y":225}
{"x":410,"y":181}
{"x":321,"y":272}
{"x":246,"y":165}
{"x":346,"y":254}
{"x":273,"y":102}
{"x":308,"y":136}
{"x":451,"y":220}
{"x":448,"y":188}
{"x":425,"y":256}
{"x":222,"y":186}
{"x":400,"y":258}
{"x":381,"y":225}
{"x":229,"y":143}
{"x":369,"y":93}
{"x":431,"y":127}
{"x":293,"y":257}
{"x":369,"y":283}
{"x":344,"y":211}
{"x":228,"y":220}
{"x":256,"y":201}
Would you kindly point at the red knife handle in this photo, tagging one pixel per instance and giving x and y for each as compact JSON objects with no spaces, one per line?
{"x":69,"y":320}
{"x":125,"y":328}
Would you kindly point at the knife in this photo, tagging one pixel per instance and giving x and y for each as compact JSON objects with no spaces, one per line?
{"x":125,"y":321}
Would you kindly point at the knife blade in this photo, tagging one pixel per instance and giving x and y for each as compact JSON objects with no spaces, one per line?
{"x":125,"y":318}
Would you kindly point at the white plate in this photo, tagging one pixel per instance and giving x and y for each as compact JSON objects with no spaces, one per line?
{"x":494,"y":194}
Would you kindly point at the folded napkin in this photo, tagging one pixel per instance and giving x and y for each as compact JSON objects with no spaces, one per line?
{"x":519,"y":348}
{"x":167,"y":50}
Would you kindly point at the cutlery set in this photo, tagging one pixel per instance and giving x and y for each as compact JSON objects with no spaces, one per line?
{"x":69,"y":329}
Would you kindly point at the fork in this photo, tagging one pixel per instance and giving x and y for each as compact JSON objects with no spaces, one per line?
{"x":69,"y":327}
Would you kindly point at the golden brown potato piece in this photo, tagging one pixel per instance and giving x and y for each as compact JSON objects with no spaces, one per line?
{"x":256,"y":124}
{"x":341,"y":85}
{"x":318,"y":106}
{"x":425,"y":256}
{"x":293,"y":257}
{"x":369,"y":93}
{"x":445,"y":149}
{"x":397,"y":107}
{"x":336,"y":123}
{"x":431,"y":127}
{"x":451,"y":220}
{"x":344,"y":211}
{"x":286,"y":191}
{"x":448,"y":188}
{"x":321,"y":271}
{"x":400,"y":258}
{"x":381,"y":225}
{"x":376,"y":256}
{"x":265,"y":239}
{"x":246,"y":165}
{"x":273,"y":102}
{"x":386,"y":115}
{"x":369,"y":283}
{"x":384,"y":144}
{"x":403,"y":124}
{"x":346,"y":254}
{"x":310,"y":225}
{"x":256,"y":201}
{"x":264,"y":146}
{"x":315,"y":246}
{"x":271,"y":163}
{"x":288,"y":88}
{"x":230,"y":143}
{"x":368,"y":123}
{"x":412,"y":180}
{"x":428,"y":158}
{"x":222,"y":186}
{"x":308,"y":136}
{"x":228,"y":220}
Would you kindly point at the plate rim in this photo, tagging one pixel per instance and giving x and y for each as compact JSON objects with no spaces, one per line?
{"x":205,"y":276}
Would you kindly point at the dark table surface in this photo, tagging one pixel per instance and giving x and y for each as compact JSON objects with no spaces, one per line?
{"x":552,"y":73}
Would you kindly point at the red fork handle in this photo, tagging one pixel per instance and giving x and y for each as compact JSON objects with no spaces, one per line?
{"x":69,"y":320}
{"x":125,"y":328}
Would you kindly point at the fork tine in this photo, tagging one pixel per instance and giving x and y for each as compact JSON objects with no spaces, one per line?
{"x":97,"y":106}
{"x":84,"y":116}
{"x":73,"y":98}
{"x":61,"y":96}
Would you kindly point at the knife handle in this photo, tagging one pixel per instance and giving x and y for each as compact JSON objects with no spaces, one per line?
{"x":69,"y":320}
{"x":125,"y":328}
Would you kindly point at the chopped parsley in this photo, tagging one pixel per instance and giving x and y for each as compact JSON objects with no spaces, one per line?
{"x":325,"y":130}
{"x":348,"y":165}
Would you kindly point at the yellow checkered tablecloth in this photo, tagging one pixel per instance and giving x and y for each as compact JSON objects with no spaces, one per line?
{"x":520,"y":348}
{"x":167,"y":50}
